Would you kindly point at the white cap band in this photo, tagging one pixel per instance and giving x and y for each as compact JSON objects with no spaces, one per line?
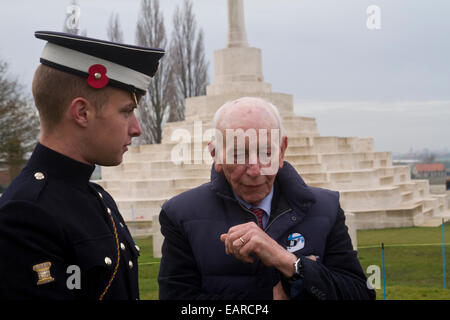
{"x":82,"y":62}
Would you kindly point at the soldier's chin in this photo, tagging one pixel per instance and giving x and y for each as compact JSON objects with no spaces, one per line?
{"x":110,"y":162}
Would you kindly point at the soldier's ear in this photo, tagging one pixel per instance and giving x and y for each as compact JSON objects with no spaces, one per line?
{"x":80,"y":111}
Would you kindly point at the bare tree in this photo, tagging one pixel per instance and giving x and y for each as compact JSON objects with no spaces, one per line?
{"x":115,"y":33}
{"x":19,"y":124}
{"x":154,"y":106}
{"x":188,"y":55}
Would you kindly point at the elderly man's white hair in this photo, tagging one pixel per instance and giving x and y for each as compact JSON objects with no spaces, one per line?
{"x":261,"y":102}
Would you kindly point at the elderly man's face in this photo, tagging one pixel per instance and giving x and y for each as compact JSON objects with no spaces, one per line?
{"x":250,"y":167}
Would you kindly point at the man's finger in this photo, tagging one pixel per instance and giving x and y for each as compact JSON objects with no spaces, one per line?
{"x":243,"y":226}
{"x":224,"y":238}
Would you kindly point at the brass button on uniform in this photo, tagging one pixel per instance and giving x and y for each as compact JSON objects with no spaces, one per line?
{"x":108,"y":261}
{"x":122,"y":246}
{"x":39,"y":176}
{"x":130,"y":264}
{"x":137,"y":248}
{"x":100,"y":195}
{"x":108,"y":210}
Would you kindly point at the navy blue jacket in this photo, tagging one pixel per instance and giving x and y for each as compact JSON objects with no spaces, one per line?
{"x":51,"y":213}
{"x":309,"y":220}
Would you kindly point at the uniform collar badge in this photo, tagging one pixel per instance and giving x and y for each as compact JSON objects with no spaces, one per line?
{"x":43,"y":272}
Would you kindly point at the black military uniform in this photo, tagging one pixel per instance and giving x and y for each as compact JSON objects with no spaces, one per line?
{"x":53,"y":214}
{"x":62,"y":236}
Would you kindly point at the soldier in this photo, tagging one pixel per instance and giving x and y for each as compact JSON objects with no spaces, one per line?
{"x":62,"y":236}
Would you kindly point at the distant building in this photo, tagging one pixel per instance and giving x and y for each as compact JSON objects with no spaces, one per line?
{"x":435,"y":173}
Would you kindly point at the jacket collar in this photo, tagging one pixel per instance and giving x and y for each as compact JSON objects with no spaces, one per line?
{"x":294,"y":189}
{"x":60,"y":166}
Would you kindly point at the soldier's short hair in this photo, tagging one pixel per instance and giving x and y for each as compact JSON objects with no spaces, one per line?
{"x":54,"y":90}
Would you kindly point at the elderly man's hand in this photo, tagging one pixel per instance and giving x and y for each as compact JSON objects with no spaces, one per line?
{"x":248,"y":239}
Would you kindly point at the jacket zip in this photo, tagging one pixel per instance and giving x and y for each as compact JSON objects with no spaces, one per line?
{"x":245,"y":209}
{"x":282,"y":213}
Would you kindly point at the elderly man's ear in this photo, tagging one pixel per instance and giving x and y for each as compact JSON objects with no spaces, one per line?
{"x":212,"y":151}
{"x":283,"y":150}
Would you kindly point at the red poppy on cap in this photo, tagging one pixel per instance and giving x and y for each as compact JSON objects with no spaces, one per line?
{"x":97,"y":76}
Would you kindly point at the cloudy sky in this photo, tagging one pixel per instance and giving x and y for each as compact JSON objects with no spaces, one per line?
{"x":392,"y":83}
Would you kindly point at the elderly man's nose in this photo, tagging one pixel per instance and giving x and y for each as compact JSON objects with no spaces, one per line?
{"x":253,"y":170}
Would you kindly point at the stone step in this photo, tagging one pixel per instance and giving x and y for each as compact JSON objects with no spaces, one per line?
{"x":107,"y":172}
{"x":314,"y":177}
{"x":351,"y":179}
{"x":336,"y":161}
{"x":394,"y":217}
{"x":386,"y":180}
{"x":162,"y":174}
{"x":308,"y":168}
{"x":145,"y":193}
{"x":152,"y":185}
{"x":378,"y":199}
{"x":324,"y":144}
{"x":319,"y":184}
{"x":431,"y":222}
{"x":407,"y":196}
{"x":418,"y":188}
{"x":303,"y":159}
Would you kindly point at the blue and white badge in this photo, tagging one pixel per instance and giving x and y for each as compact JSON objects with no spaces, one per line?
{"x":296,"y":242}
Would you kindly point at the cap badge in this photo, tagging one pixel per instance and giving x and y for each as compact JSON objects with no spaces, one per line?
{"x":43,"y":272}
{"x":97,"y":76}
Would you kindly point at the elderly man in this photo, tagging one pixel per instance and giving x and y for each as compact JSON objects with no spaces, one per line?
{"x":256,"y":230}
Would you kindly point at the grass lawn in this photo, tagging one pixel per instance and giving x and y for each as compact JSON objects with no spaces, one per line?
{"x":148,"y":270}
{"x":413,"y":262}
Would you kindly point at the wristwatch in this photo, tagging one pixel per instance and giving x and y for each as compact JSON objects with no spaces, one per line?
{"x":298,"y":271}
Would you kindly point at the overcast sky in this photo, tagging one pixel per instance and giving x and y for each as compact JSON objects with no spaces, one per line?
{"x":392,"y":84}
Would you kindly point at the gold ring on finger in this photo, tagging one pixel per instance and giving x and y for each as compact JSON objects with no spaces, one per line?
{"x":242,"y":240}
